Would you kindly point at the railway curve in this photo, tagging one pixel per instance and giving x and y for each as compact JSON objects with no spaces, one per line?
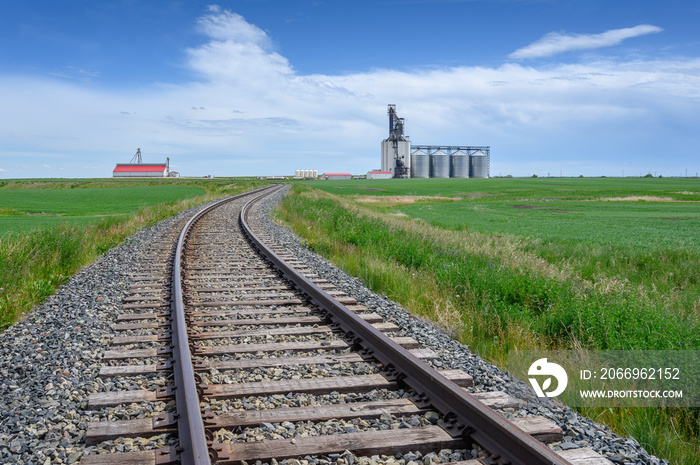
{"x":261,"y":359}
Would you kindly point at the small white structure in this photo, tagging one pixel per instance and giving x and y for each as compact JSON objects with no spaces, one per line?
{"x":377,"y":174}
{"x":306,"y":174}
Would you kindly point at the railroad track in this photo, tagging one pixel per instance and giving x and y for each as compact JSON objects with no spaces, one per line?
{"x":240,"y":354}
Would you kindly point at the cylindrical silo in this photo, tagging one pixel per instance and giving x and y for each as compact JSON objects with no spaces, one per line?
{"x":478,"y":165}
{"x":296,"y":174}
{"x":420,"y":164}
{"x":306,"y":173}
{"x":459,"y":165}
{"x":439,"y":165}
{"x":314,"y":174}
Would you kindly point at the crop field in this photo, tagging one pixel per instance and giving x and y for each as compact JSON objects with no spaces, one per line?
{"x":520,"y":188}
{"x":637,"y":224}
{"x":51,"y":228}
{"x":636,"y":212}
{"x":536,"y":263}
{"x":22,"y":210}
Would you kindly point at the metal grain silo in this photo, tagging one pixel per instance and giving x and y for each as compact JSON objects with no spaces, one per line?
{"x":420,"y":164}
{"x":439,"y":165}
{"x":478,"y":165}
{"x":459,"y":165}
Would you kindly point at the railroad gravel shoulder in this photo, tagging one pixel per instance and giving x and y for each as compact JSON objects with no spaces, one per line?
{"x":579,"y":431}
{"x":51,"y":359}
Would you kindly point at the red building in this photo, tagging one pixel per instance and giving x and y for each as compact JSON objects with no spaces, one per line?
{"x":140,"y":170}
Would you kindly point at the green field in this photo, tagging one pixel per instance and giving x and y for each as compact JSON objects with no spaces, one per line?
{"x":51,"y":228}
{"x":22,"y":210}
{"x":536,"y":263}
{"x":514,"y":189}
{"x":633,"y":224}
{"x":655,"y":212}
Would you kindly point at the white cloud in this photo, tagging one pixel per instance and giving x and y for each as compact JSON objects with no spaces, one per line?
{"x":238,"y":51}
{"x":555,"y":42}
{"x":234,"y":61}
{"x":224,"y":25}
{"x":262,"y":117}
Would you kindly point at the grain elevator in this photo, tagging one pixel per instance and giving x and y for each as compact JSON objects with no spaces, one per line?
{"x":396,"y":149}
{"x":430,"y":161}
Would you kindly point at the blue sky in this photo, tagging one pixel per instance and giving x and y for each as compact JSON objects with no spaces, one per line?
{"x":264,"y":87}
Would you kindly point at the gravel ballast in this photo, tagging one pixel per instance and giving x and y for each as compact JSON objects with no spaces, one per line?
{"x":51,"y":359}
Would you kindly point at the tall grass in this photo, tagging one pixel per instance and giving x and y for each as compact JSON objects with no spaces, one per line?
{"x":497,"y":292}
{"x":34,"y":264}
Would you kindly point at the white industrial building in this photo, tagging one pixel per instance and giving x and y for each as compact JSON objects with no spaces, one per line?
{"x":378,"y":174}
{"x":335,"y":176}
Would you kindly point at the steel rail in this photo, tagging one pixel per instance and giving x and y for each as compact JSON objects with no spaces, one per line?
{"x":193,"y":447}
{"x":464,"y":415}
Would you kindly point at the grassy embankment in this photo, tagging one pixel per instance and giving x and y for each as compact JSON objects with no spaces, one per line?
{"x":530,"y":264}
{"x":50,"y":229}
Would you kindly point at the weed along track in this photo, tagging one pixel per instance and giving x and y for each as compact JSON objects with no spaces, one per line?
{"x":229,"y":350}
